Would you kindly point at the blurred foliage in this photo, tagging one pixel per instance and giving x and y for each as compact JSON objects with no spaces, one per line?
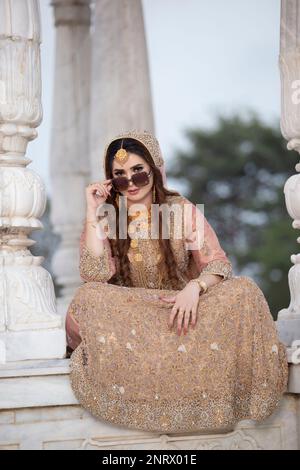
{"x":238,"y":170}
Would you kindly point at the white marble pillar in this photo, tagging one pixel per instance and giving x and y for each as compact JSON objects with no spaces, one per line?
{"x":121,"y":92}
{"x":69,"y":165}
{"x":30,"y":327}
{"x":289,"y":61}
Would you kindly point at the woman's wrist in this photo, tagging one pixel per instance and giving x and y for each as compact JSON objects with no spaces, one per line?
{"x":201,"y":284}
{"x":91,"y":214}
{"x":197,"y":285}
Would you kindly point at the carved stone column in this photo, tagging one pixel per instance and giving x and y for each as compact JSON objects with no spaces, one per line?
{"x":69,"y":165}
{"x":121,"y":92}
{"x":29,"y":325}
{"x":289,"y":60}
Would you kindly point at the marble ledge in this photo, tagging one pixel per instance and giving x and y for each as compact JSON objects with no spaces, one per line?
{"x":34,"y":368}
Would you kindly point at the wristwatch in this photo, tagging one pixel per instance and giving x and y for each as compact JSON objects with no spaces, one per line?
{"x":201,"y":283}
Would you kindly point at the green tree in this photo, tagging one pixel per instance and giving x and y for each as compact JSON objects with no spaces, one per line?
{"x":238,"y":170}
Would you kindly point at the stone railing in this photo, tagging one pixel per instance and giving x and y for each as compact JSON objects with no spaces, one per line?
{"x":29,"y":324}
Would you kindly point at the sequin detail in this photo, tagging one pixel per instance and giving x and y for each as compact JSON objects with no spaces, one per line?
{"x":94,"y":268}
{"x":225,"y":370}
{"x":145,"y":138}
{"x":220,"y":267}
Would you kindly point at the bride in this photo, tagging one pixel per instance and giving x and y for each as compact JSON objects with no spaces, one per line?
{"x":163,"y":336}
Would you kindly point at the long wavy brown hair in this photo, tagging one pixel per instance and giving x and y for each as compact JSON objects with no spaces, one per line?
{"x":119,"y":246}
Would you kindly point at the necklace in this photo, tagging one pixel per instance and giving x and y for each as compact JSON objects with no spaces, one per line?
{"x":143,"y":222}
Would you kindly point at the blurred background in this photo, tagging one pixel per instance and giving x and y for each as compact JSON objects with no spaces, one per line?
{"x":216,"y":101}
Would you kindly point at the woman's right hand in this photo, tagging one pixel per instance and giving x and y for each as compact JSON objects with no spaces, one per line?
{"x":96,"y":194}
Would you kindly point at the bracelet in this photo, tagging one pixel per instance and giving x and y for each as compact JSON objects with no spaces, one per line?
{"x":92,"y":222}
{"x":201,"y":283}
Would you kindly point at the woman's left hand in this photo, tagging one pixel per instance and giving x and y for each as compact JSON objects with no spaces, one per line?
{"x":185,"y":305}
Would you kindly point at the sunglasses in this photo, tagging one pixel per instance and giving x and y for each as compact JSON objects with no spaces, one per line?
{"x":121,"y":183}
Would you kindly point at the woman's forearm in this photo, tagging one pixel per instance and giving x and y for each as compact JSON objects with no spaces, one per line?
{"x":94,"y":243}
{"x":210,"y":279}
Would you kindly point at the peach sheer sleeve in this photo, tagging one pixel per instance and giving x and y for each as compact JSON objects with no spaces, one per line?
{"x":95,"y":268}
{"x":202,"y":240}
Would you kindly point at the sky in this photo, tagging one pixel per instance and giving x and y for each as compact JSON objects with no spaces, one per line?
{"x":206,"y":57}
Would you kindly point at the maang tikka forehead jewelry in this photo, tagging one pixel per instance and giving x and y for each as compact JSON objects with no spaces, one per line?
{"x":121,"y":155}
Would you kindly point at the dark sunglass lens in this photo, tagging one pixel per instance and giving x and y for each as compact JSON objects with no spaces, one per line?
{"x":120,"y":183}
{"x":140,"y":179}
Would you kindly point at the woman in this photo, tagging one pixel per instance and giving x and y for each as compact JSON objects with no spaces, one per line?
{"x":131,"y":364}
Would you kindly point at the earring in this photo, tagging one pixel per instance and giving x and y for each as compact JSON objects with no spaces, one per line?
{"x":153,"y":194}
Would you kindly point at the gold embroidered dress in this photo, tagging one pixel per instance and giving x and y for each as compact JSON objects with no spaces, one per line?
{"x":128,"y":368}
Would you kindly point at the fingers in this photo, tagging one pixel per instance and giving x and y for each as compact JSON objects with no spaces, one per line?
{"x":106,"y":189}
{"x":194,"y":316}
{"x":184,"y":315}
{"x":172,"y":316}
{"x":101,"y":189}
{"x":186,"y":322}
{"x":105,"y":182}
{"x":180,"y":318}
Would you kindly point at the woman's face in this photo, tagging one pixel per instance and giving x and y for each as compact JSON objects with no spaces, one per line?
{"x":134,"y":164}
